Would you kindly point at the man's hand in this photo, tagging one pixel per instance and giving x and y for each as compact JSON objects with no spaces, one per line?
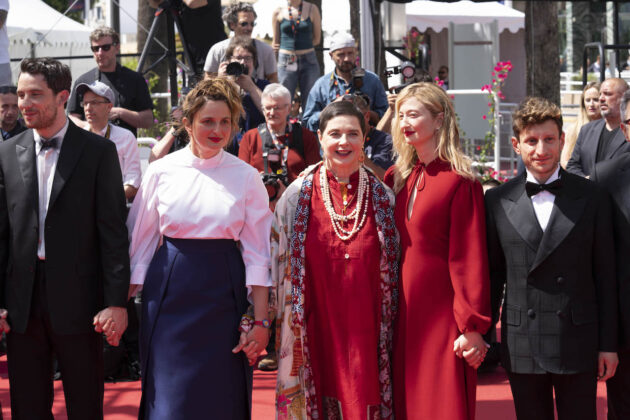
{"x":222,"y":72}
{"x":115,"y":113}
{"x":391,"y":100}
{"x":111,"y":321}
{"x":607,"y":365}
{"x":4,"y":324}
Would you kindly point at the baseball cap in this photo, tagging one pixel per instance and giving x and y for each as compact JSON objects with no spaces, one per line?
{"x":341,"y":40}
{"x":99,"y":88}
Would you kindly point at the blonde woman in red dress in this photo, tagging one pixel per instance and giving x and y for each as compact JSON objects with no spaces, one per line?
{"x":444,"y":285}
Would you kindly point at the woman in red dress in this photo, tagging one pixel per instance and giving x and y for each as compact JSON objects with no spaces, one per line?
{"x":335,"y":265}
{"x":444,"y":283}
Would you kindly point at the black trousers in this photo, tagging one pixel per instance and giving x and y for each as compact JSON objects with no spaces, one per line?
{"x":30,"y":356}
{"x":618,"y":389}
{"x":576,"y":396}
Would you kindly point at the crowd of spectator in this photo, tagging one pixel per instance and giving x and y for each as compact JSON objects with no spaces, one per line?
{"x":381,"y":238}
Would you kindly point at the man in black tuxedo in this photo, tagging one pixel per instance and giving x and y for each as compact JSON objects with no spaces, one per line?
{"x":614,"y":175}
{"x":550,"y":243}
{"x":601,"y":140}
{"x":64,"y":264}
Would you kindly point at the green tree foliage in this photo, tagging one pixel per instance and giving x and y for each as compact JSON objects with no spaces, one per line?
{"x":62,"y":6}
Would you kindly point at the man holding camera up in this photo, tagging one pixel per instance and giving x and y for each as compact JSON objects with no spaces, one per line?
{"x":278,"y":149}
{"x":240,"y":66}
{"x":345,"y":78}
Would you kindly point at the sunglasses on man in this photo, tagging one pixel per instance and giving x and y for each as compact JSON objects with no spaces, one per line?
{"x":104,"y":47}
{"x":244,"y":24}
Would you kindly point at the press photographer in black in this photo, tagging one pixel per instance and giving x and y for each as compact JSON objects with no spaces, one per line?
{"x":201,"y":24}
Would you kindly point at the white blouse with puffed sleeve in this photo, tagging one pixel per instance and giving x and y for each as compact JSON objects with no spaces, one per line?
{"x":183,"y":196}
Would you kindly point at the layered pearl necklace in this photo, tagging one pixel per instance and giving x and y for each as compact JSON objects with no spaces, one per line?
{"x":358,"y":214}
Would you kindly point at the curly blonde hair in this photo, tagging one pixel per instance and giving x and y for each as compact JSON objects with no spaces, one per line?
{"x":448,"y":146}
{"x":212,"y":89}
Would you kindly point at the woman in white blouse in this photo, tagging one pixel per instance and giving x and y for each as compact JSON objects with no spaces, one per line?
{"x":200,"y":228}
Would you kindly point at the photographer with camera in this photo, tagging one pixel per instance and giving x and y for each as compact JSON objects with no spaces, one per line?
{"x":240,"y":67}
{"x":278,"y":149}
{"x":344,"y":79}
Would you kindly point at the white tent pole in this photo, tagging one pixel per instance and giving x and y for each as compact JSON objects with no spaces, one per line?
{"x":367,"y":35}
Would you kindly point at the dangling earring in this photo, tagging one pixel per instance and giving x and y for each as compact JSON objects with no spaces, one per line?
{"x":362,"y":157}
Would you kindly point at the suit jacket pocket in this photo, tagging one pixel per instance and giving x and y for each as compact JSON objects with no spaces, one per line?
{"x":584,"y":314}
{"x":513,"y":315}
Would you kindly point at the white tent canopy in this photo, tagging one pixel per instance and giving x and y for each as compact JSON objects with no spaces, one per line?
{"x":28,"y":16}
{"x":438,"y":15}
{"x":36,"y":29}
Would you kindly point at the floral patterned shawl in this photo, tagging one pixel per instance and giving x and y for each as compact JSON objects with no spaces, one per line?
{"x":296,"y":395}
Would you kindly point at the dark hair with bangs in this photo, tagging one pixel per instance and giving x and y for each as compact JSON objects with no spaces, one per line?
{"x":337,"y":109}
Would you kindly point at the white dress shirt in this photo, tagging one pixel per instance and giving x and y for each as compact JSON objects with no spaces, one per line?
{"x":183,"y":196}
{"x":543,"y":201}
{"x":46,"y":167}
{"x":128,"y":154}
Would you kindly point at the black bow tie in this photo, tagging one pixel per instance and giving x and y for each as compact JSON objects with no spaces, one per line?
{"x":52,"y":143}
{"x":553,"y":187}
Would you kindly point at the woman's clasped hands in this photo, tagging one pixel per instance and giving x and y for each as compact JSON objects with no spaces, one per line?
{"x":252,"y":343}
{"x":472,"y":347}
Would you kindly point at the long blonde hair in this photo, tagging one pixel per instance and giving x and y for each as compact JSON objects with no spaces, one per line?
{"x":571,"y":137}
{"x":449,"y":150}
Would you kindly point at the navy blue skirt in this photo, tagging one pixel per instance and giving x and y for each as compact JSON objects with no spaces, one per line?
{"x":193,"y":298}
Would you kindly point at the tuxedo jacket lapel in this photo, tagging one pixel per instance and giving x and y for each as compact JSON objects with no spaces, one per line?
{"x":71,"y":149}
{"x":567,"y":209}
{"x":520,"y":212}
{"x":25,"y":151}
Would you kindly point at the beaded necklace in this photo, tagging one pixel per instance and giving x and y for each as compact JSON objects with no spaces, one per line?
{"x":294,"y":25}
{"x":360,"y":210}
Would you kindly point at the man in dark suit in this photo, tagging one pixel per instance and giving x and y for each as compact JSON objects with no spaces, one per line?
{"x":64,"y":264}
{"x":614,"y":175}
{"x":550,"y":244}
{"x":601,"y":140}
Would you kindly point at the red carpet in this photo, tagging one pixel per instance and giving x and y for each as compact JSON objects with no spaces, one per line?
{"x":494,"y":401}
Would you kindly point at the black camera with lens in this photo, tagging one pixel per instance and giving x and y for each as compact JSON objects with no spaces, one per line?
{"x":358,"y":74}
{"x":278,"y":171}
{"x":236,"y":69}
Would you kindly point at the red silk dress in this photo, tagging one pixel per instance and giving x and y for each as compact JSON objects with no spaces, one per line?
{"x":444,"y":290}
{"x":342,"y":308}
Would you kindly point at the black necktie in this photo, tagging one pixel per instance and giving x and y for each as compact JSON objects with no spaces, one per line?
{"x":52,"y":143}
{"x":553,"y":187}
